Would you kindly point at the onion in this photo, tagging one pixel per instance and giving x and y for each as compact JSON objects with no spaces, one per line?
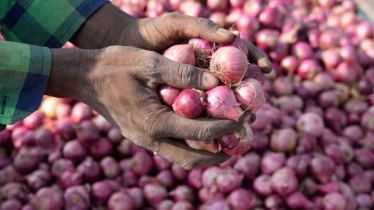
{"x":271,"y":17}
{"x":189,"y":103}
{"x":334,"y":201}
{"x":266,"y":39}
{"x":203,"y":51}
{"x":182,"y":53}
{"x":322,"y":168}
{"x":243,"y":137}
{"x":229,"y":64}
{"x":168,"y":94}
{"x":250,"y":94}
{"x":221,"y":103}
{"x":284,"y":181}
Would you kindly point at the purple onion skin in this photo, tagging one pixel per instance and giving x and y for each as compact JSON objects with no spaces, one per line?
{"x":308,"y":186}
{"x":306,"y":144}
{"x":76,"y":198}
{"x":283,"y":140}
{"x":49,"y":198}
{"x":120,"y":201}
{"x":183,"y":193}
{"x":248,"y":165}
{"x":262,"y":185}
{"x":299,"y":163}
{"x":11,"y":204}
{"x":310,"y":124}
{"x":297,"y":200}
{"x":90,"y":170}
{"x":364,"y":157}
{"x":328,"y":188}
{"x":74,"y":150}
{"x":228,"y":179}
{"x":110,"y":167}
{"x":334,"y":201}
{"x":70,"y":177}
{"x":38,"y":179}
{"x":351,"y":203}
{"x":284,"y":181}
{"x":364,"y":201}
{"x":129,"y":179}
{"x":354,"y":169}
{"x":360,"y":184}
{"x":215,"y":204}
{"x":179,"y":172}
{"x":142,"y":163}
{"x":9,"y":174}
{"x":4,"y":137}
{"x":14,"y":190}
{"x":166,"y":178}
{"x":154,"y":192}
{"x":334,"y":152}
{"x":101,"y":191}
{"x":136,"y":193}
{"x":322,"y":168}
{"x":161,"y":163}
{"x":182,"y":205}
{"x":271,"y":162}
{"x":25,"y":162}
{"x":194,"y":178}
{"x":100,"y":148}
{"x":274,"y":201}
{"x":87,"y":132}
{"x":164,"y":205}
{"x":28,"y":207}
{"x":60,"y":166}
{"x":241,"y":199}
{"x":369,"y":174}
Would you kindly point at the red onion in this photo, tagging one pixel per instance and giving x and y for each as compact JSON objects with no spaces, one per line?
{"x":241,"y":199}
{"x":284,"y":181}
{"x":189,"y":103}
{"x":245,"y":137}
{"x":297,"y":200}
{"x":266,"y":39}
{"x":250,"y":94}
{"x":334,"y":201}
{"x":49,"y":198}
{"x":253,"y":8}
{"x":168,"y":94}
{"x":247,"y":22}
{"x":322,"y":168}
{"x":217,"y":4}
{"x":289,"y":64}
{"x":302,"y":50}
{"x":310,"y":124}
{"x":248,"y":165}
{"x":155,"y":192}
{"x":228,"y":179}
{"x":182,"y":53}
{"x":212,"y":146}
{"x":120,"y":201}
{"x":272,"y":162}
{"x":271,"y":17}
{"x":221,"y":103}
{"x":262,"y":185}
{"x":183,"y":193}
{"x":229,"y":64}
{"x":308,"y":68}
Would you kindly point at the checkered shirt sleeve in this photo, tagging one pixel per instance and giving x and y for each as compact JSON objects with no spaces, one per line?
{"x":31,"y":27}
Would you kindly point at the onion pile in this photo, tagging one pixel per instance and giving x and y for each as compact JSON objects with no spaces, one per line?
{"x":313,"y":139}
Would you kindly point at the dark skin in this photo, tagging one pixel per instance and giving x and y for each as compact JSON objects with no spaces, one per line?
{"x":120,"y":82}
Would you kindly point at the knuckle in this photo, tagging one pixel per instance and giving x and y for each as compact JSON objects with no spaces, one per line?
{"x":206,"y":134}
{"x":207,"y":22}
{"x":188,"y":75}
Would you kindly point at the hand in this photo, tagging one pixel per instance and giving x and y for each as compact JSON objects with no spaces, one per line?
{"x":110,"y":26}
{"x":120,"y":84}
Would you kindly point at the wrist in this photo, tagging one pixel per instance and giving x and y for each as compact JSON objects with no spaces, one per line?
{"x":70,"y":73}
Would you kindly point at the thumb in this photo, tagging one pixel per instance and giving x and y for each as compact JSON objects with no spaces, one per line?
{"x":185,"y":76}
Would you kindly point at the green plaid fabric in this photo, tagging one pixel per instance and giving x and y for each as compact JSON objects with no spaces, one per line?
{"x":24,"y":67}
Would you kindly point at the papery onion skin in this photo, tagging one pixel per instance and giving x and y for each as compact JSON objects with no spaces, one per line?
{"x":245,"y":135}
{"x":168,"y":94}
{"x":229,"y":64}
{"x":189,"y":103}
{"x":250,"y":94}
{"x":221,"y":103}
{"x":182,"y":53}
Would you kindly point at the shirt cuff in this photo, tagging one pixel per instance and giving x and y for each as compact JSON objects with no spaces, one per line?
{"x":24,"y":73}
{"x":47,"y":23}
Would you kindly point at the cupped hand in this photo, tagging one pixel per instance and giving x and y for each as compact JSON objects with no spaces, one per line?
{"x":110,"y":26}
{"x":121,"y":83}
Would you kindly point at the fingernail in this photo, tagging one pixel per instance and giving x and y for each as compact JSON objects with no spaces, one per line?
{"x":223,"y":32}
{"x":209,"y":80}
{"x":265,"y":65}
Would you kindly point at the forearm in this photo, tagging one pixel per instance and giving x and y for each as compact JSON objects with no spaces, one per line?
{"x":106,"y":27}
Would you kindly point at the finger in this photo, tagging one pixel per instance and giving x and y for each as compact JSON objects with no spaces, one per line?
{"x":180,"y":153}
{"x":185,"y":76}
{"x":200,"y":129}
{"x":258,"y":57}
{"x":187,"y":26}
